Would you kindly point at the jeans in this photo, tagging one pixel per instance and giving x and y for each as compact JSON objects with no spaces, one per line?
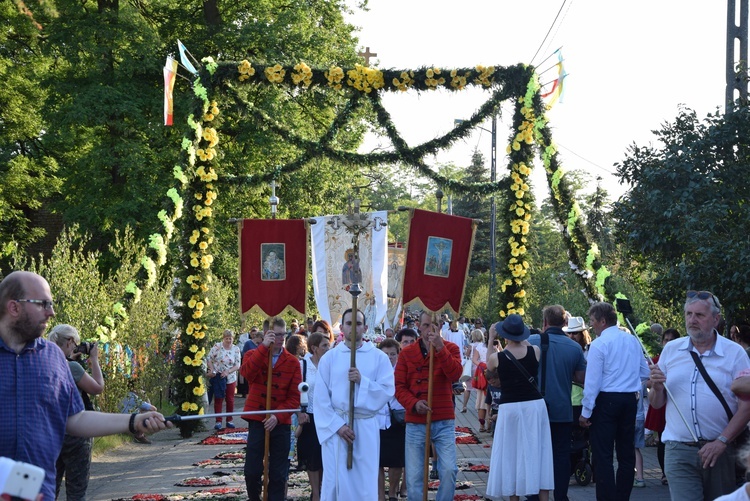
{"x":613,"y":424}
{"x":689,"y":481}
{"x":278,"y":466}
{"x":443,"y":437}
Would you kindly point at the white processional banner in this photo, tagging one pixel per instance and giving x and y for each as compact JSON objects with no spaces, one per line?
{"x":335,"y":268}
{"x":396,"y":264}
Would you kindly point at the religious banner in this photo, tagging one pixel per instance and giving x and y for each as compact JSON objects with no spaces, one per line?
{"x":437,"y":260}
{"x":396,"y":264}
{"x":273,"y":266}
{"x":335,"y":267}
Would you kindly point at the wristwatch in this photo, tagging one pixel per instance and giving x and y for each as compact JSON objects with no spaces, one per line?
{"x":724,"y":440}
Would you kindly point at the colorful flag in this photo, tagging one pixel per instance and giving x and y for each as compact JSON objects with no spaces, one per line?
{"x":184,"y":59}
{"x":273,"y":266}
{"x":170,"y":73}
{"x":335,"y":268}
{"x":557,"y":86}
{"x":437,"y":260}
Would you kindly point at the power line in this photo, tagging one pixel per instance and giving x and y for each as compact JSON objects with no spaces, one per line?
{"x":548,"y":31}
{"x":585,"y":159}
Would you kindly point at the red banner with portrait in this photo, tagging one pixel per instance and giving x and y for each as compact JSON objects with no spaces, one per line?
{"x":273,"y":266}
{"x":437,"y":260}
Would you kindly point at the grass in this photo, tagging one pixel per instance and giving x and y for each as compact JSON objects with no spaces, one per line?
{"x":105,"y":444}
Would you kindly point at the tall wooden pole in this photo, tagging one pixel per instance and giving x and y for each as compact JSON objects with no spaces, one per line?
{"x":354,"y":290}
{"x":266,"y":455}
{"x":428,"y":420}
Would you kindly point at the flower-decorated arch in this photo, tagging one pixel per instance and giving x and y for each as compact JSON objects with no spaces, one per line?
{"x":198,"y":180}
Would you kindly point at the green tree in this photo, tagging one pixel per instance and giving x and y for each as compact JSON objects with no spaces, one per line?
{"x":477,"y":207}
{"x":27,"y":172}
{"x":686,"y":218}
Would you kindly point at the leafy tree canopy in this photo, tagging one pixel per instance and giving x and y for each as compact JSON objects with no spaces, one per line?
{"x":687,"y":217}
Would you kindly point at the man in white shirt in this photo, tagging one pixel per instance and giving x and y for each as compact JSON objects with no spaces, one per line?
{"x":615,"y":370}
{"x":703,"y":469}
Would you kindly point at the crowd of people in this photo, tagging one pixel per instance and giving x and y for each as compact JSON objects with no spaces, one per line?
{"x":533,"y":389}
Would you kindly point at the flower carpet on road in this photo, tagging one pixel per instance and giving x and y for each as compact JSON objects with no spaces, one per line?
{"x":226,"y":436}
{"x":218,"y":494}
{"x":460,"y":485}
{"x":475,"y":467}
{"x":465,"y":435}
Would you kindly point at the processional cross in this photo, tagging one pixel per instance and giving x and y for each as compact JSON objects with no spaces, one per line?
{"x":355,"y":223}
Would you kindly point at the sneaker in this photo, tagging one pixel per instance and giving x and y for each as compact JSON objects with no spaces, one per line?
{"x":217,"y":426}
{"x":141,"y":439}
{"x":639,"y":483}
{"x":230,"y":425}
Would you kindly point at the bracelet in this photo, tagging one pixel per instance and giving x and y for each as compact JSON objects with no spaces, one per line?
{"x":131,"y":425}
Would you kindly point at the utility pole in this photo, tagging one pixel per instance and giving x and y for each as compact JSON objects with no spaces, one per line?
{"x":493,"y":211}
{"x":736,"y":78}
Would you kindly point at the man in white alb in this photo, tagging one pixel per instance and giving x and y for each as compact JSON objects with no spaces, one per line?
{"x":374,"y":387}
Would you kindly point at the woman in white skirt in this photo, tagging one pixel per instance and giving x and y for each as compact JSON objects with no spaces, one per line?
{"x":521,"y":461}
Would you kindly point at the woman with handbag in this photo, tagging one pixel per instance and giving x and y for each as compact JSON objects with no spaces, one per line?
{"x":521,"y":458}
{"x":479,"y":383}
{"x":392,"y":433}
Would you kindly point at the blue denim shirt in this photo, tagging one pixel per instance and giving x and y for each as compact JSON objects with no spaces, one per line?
{"x":38,"y":395}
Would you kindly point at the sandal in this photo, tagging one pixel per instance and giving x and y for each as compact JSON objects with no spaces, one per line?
{"x":463,"y":411}
{"x":481,"y":429}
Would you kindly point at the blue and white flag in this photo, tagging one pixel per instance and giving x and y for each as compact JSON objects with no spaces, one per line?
{"x":184,"y":59}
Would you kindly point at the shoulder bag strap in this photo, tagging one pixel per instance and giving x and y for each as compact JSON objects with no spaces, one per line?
{"x":711,"y":384}
{"x":545,"y":347}
{"x":523,"y":371}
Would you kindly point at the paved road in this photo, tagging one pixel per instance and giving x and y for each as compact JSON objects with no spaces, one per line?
{"x":137,"y":468}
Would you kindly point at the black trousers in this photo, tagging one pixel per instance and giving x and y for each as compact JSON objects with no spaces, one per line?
{"x":613,"y":429}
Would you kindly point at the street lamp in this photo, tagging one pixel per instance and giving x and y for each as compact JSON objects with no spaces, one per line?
{"x":493,"y":207}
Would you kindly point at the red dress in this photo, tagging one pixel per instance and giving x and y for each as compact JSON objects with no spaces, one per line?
{"x":656,"y":419}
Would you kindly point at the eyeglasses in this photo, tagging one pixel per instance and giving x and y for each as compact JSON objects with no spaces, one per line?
{"x":46,"y":305}
{"x":703,"y":295}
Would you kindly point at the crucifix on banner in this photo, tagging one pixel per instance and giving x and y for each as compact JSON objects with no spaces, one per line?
{"x":355,"y":223}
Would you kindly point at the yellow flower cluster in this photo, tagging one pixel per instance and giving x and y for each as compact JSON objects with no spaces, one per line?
{"x":365,"y":79}
{"x":485,"y":75}
{"x":189,"y":406}
{"x":201,"y":211}
{"x":335,"y":75}
{"x":195,"y":361}
{"x":211,"y":113}
{"x":210,"y":135}
{"x":206,"y":175}
{"x":407,"y":78}
{"x":433,"y":79}
{"x":246,"y":70}
{"x":206,"y":155}
{"x":458,"y":82}
{"x":302,"y":74}
{"x":275,"y":73}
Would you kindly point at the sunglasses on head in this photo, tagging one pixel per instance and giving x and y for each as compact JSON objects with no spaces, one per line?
{"x":703,"y":295}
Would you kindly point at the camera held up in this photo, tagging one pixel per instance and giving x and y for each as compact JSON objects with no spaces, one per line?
{"x":84,"y":347}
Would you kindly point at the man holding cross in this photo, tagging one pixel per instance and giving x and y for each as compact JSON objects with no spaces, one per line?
{"x":373,"y":378}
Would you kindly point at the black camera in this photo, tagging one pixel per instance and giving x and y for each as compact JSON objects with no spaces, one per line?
{"x":84,"y":348}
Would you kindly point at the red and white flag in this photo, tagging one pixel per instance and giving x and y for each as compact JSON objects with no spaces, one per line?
{"x":437,"y":260}
{"x":170,"y":74}
{"x":273,"y":266}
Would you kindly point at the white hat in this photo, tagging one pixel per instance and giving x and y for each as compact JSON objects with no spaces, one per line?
{"x":575,"y":324}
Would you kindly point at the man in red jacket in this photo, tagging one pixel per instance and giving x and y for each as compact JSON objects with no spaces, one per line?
{"x":285,"y":379}
{"x":411,"y":391}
